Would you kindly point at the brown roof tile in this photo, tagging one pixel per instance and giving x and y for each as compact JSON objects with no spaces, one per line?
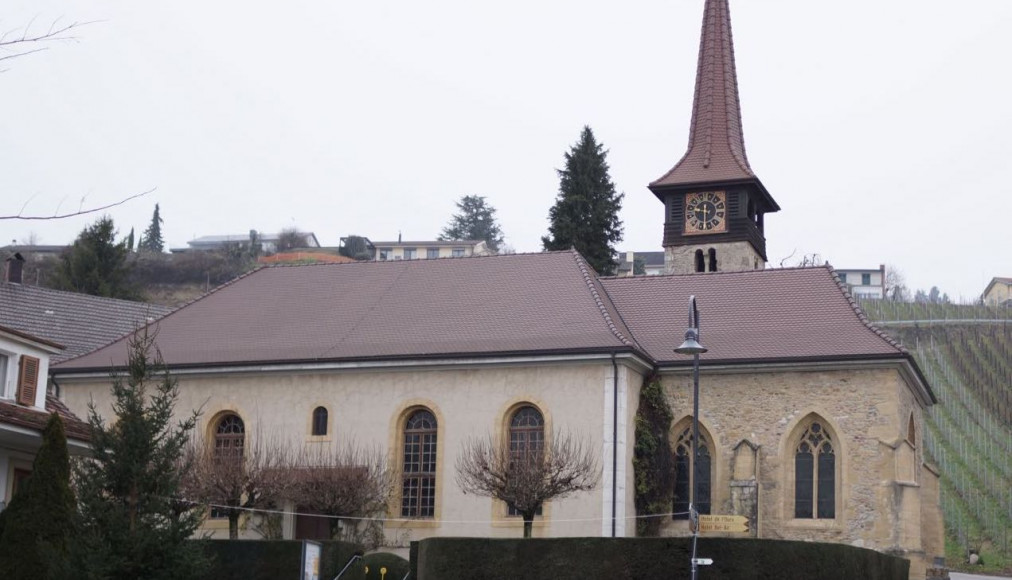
{"x":766,"y":315}
{"x":525,"y":303}
{"x":14,"y":414}
{"x":80,"y":322}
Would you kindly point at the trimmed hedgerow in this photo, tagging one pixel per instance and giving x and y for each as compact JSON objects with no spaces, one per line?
{"x":396,"y":566}
{"x":270,"y":559}
{"x":638,"y":558}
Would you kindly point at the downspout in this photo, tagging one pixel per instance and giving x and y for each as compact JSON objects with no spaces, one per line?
{"x":614,"y":443}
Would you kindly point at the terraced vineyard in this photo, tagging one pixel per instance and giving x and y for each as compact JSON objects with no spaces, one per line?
{"x":966,"y":354}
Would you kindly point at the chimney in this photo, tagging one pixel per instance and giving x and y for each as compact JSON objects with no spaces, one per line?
{"x":15,"y":268}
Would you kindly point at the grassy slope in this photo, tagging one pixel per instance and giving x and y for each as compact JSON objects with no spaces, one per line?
{"x":966,"y":354}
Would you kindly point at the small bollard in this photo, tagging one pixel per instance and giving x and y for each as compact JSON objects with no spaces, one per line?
{"x":383,"y":573}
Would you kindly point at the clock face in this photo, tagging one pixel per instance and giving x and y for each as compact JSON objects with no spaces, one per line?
{"x":705,"y":212}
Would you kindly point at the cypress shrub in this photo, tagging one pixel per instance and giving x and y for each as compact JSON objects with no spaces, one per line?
{"x":638,"y":558}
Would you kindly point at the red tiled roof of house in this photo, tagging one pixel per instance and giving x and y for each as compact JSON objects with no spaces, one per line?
{"x":303,"y":257}
{"x":524,"y":304}
{"x":36,"y":419}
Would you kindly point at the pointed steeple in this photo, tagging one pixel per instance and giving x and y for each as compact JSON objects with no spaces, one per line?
{"x":716,"y":152}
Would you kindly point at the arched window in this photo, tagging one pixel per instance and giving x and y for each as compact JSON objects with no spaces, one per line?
{"x":319,"y":421}
{"x":815,"y":474}
{"x":527,"y":436}
{"x":418,"y":486}
{"x":700,"y":265}
{"x":229,"y":436}
{"x":713,"y":260}
{"x":911,"y":431}
{"x":686,"y":476}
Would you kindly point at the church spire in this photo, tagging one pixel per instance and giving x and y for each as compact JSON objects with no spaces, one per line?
{"x":716,"y":151}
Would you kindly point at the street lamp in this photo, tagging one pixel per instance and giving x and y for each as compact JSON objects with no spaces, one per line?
{"x":693,"y":347}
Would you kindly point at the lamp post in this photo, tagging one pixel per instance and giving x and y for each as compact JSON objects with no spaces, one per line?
{"x":692,"y":346}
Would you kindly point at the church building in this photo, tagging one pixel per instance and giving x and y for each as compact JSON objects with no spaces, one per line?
{"x":811,"y":419}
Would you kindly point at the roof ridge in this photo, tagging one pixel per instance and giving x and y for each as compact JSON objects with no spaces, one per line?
{"x":589,"y":280}
{"x":719,"y":273}
{"x":861,"y":315}
{"x":418,"y":260}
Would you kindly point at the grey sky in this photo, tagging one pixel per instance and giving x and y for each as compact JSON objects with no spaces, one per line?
{"x":882,"y":128}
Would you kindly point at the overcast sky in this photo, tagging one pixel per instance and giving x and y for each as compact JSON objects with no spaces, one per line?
{"x":882,"y":128}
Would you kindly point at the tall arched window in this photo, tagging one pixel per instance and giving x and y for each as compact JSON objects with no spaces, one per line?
{"x":911,"y":431}
{"x":686,"y":476}
{"x":319,"y":421}
{"x":229,"y":436}
{"x":713,"y":260}
{"x":700,"y":262}
{"x":527,"y":436}
{"x":815,"y":474}
{"x":418,"y":486}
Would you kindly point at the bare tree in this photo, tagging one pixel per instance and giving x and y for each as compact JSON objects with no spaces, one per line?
{"x":346,"y":481}
{"x":233,"y":480}
{"x":896,"y":285}
{"x":528,"y":477}
{"x":24,"y":41}
{"x":81,"y":210}
{"x":289,"y":239}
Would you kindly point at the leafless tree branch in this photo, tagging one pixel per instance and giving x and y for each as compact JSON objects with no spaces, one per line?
{"x":20,"y":42}
{"x":525,"y":479}
{"x":81,"y":211}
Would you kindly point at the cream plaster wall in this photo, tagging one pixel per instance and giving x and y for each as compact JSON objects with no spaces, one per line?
{"x":368,"y":406}
{"x":867,"y":412}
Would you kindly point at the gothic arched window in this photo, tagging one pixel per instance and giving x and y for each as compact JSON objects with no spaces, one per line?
{"x":815,"y":474}
{"x":687,"y":474}
{"x":713,"y":260}
{"x":418,"y":481}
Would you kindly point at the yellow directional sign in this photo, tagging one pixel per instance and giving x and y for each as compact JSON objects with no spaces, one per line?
{"x":728,"y":524}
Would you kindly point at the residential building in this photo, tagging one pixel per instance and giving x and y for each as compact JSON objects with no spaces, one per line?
{"x":998,"y":292}
{"x":427,"y":250}
{"x":268,"y":242}
{"x":864,"y":283}
{"x":652,"y":263}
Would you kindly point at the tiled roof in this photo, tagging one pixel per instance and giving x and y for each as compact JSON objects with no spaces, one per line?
{"x":513,"y":304}
{"x":758,"y":316}
{"x":522,"y":303}
{"x":36,"y":419}
{"x":716,"y":143}
{"x":78,"y":321}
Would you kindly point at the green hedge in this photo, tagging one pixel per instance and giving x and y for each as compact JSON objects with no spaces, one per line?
{"x":644,"y":558}
{"x":270,"y":559}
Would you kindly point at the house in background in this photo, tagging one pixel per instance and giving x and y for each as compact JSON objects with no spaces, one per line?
{"x":269,"y":242}
{"x":864,"y":283}
{"x":653,"y":263}
{"x":429,"y":249}
{"x":25,"y":408}
{"x":998,"y":292}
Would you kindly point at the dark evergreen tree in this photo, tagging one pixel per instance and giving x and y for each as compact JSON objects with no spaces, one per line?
{"x":652,"y":467}
{"x":36,"y":526}
{"x":474,"y":220}
{"x":131,"y":526}
{"x":152,"y":240}
{"x":585,"y":214}
{"x":130,"y":241}
{"x":356,"y":248}
{"x":96,"y":264}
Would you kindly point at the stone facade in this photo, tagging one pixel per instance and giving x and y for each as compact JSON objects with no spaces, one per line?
{"x":731,"y":257}
{"x":886,"y":497}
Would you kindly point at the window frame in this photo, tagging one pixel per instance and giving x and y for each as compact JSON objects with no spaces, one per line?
{"x":683,"y":429}
{"x":316,"y":422}
{"x":414,"y":452}
{"x":431,"y":253}
{"x":795,"y":442}
{"x":515,"y":432}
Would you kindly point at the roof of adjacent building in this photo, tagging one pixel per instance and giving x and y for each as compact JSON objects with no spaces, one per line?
{"x":521,"y":304}
{"x":79,"y":322}
{"x":433,"y":243}
{"x":36,"y":419}
{"x":995,"y":281}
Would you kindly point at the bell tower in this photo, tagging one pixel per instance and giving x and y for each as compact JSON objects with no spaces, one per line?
{"x":714,"y":204}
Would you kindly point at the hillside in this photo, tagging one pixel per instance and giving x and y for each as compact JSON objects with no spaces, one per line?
{"x":966,"y":353}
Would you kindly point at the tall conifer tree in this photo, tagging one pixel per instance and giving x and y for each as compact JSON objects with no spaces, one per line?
{"x":152,"y":240}
{"x":474,"y":220}
{"x":585,"y":214}
{"x":36,"y":526}
{"x":96,"y":264}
